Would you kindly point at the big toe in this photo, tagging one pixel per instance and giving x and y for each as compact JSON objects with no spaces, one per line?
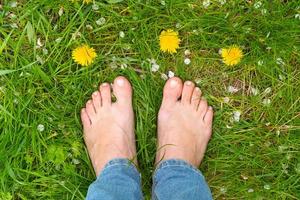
{"x":122,"y":90}
{"x":172,"y":91}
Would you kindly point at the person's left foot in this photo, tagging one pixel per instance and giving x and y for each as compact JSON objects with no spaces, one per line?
{"x":109,"y":127}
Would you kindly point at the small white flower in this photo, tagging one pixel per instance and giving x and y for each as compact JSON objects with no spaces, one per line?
{"x":171,"y":74}
{"x":178,"y":25}
{"x":40,"y":127}
{"x":14,"y":25}
{"x":206,"y":3}
{"x":162,"y":2}
{"x":236,"y":115}
{"x":223,"y":190}
{"x":121,"y":34}
{"x":266,"y":102}
{"x":61,"y":11}
{"x":154,"y":67}
{"x":279,"y":61}
{"x":89,"y":27}
{"x":45,"y":51}
{"x":39,"y":43}
{"x":187,"y":61}
{"x":226,"y":99}
{"x":95,"y":7}
{"x":254,"y":91}
{"x":268,"y":90}
{"x":13,"y":4}
{"x":251,"y":190}
{"x":187,"y":52}
{"x":123,"y":66}
{"x":257,"y":4}
{"x":101,"y":21}
{"x":268,"y":48}
{"x":232,"y":89}
{"x":297,"y":16}
{"x":222,"y":2}
{"x":164,"y":76}
{"x":263,"y":11}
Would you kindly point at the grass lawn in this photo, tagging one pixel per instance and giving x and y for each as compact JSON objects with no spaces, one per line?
{"x":255,"y":149}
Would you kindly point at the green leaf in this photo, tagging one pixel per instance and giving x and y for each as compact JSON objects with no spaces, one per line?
{"x":30,"y":32}
{"x":114,"y":1}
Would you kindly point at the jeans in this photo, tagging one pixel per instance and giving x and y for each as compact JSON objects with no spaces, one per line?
{"x":173,"y":179}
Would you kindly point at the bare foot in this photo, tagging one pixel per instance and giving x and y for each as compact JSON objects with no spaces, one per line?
{"x":185,"y":125}
{"x":109,"y":127}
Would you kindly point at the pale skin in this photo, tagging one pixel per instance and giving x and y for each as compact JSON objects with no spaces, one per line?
{"x":184,"y":123}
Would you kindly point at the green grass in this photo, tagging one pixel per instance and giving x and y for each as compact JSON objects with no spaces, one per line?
{"x":261,"y":150}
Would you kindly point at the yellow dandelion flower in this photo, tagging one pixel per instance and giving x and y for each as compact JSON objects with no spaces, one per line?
{"x":169,"y":41}
{"x":84,"y":55}
{"x":232,"y":55}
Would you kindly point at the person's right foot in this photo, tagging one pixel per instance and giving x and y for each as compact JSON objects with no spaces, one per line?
{"x":185,"y":125}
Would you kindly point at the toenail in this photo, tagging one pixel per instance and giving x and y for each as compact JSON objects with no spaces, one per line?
{"x":210,"y":108}
{"x":89,"y":102}
{"x":120,"y":82}
{"x":104,"y":84}
{"x":197,"y":89}
{"x":173,"y":83}
{"x":95,"y":93}
{"x":188,"y":83}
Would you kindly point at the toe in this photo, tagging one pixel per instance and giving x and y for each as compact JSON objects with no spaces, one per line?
{"x":172,"y":91}
{"x":105,"y":94}
{"x":96,"y":100}
{"x":85,"y":119}
{"x":202,"y":108}
{"x":196,"y":98}
{"x":90,"y":110}
{"x":187,"y":92}
{"x":208,"y":118}
{"x":122,"y":90}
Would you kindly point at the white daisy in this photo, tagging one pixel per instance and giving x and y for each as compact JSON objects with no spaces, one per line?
{"x":171,"y":74}
{"x":40,"y":127}
{"x":121,"y":34}
{"x":206,"y":3}
{"x":187,"y":61}
{"x":95,"y":7}
{"x":236,"y":115}
{"x":187,"y":52}
{"x":101,"y":21}
{"x":154,"y":67}
{"x":232,"y":89}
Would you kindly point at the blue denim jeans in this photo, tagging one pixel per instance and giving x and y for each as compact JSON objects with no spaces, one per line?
{"x":172,"y":179}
